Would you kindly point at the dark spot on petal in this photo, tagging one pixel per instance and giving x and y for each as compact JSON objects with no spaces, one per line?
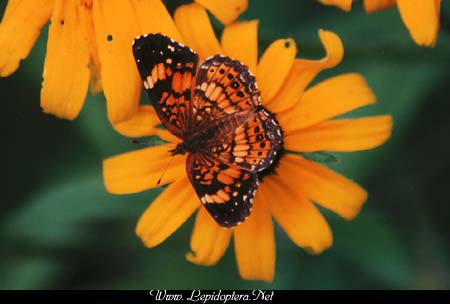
{"x":256,"y":129}
{"x":221,"y":71}
{"x":259,"y":137}
{"x":240,"y":94}
{"x":235,"y":85}
{"x":230,"y":76}
{"x":109,"y":38}
{"x":287,"y":44}
{"x":262,"y":145}
{"x":62,"y":22}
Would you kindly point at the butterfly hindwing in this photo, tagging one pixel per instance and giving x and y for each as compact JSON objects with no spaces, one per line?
{"x":253,"y":145}
{"x":226,"y":191}
{"x":167,"y":69}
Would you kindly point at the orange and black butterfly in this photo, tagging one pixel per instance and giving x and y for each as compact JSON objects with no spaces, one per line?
{"x":215,"y":110}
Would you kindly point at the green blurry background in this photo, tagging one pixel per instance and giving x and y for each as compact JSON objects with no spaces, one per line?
{"x":59,"y":228}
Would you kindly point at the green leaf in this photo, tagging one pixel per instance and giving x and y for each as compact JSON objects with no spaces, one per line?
{"x":57,"y":215}
{"x":372,"y":246}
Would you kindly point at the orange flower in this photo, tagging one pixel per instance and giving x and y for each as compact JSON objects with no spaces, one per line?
{"x":89,"y":42}
{"x":421,"y":17}
{"x":305,"y":114}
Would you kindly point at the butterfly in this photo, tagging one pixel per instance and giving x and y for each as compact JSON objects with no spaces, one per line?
{"x":215,"y":110}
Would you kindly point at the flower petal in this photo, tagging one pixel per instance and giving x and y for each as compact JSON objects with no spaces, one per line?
{"x":140,"y":170}
{"x":274,"y":66}
{"x":209,"y":241}
{"x":66,"y":68}
{"x":142,"y":123}
{"x":240,"y":41}
{"x":87,"y":23}
{"x":323,"y":186}
{"x":301,"y":220}
{"x":345,"y":5}
{"x":167,"y":136}
{"x":291,"y":91}
{"x":421,"y":19}
{"x":115,"y":28}
{"x":328,"y":99}
{"x":303,"y":72}
{"x":343,"y":135}
{"x":226,"y":11}
{"x":167,"y":212}
{"x":375,"y":5}
{"x":196,"y":30}
{"x":254,"y":243}
{"x":21,"y":25}
{"x":153,"y":17}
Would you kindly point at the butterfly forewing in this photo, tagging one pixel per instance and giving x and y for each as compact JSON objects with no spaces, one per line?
{"x":226,"y":191}
{"x":223,"y":87}
{"x":167,"y":69}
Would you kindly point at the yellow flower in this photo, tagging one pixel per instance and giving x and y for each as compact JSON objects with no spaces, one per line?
{"x":89,"y":42}
{"x":421,"y":17}
{"x":305,"y":114}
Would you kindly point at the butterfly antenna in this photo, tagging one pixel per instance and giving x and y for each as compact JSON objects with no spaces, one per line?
{"x":164,"y":172}
{"x":141,"y":142}
{"x":150,"y":142}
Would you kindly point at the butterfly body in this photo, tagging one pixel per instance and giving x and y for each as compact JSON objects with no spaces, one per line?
{"x":215,"y":110}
